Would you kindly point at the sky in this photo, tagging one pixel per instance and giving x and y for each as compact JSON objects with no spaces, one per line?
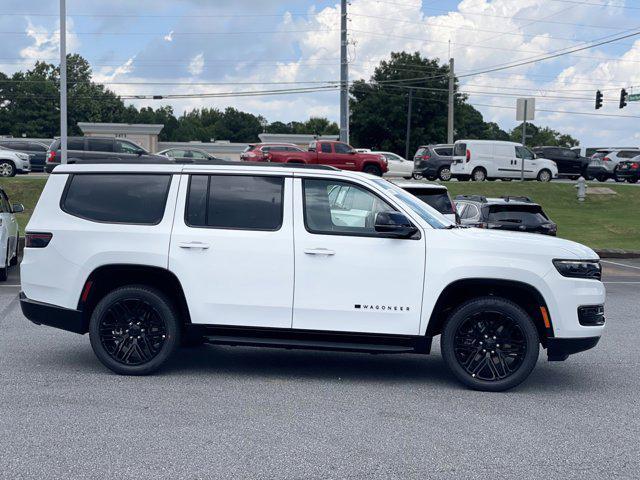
{"x":164,"y":47}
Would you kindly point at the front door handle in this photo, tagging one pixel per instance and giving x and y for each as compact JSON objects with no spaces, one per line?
{"x":194,"y":245}
{"x":319,"y":251}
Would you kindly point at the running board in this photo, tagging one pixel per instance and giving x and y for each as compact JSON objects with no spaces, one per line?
{"x":306,"y":344}
{"x":311,"y":339}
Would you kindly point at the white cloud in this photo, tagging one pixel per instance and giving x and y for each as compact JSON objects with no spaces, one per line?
{"x":169,"y":37}
{"x":196,"y":65}
{"x":46,"y":43}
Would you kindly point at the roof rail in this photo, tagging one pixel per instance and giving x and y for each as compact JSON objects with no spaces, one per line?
{"x":473,"y":198}
{"x":516,"y":198}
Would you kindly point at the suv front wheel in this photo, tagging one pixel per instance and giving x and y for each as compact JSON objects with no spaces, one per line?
{"x":490,"y":344}
{"x":134,"y":330}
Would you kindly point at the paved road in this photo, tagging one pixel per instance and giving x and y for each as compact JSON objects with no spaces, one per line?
{"x":225,"y":412}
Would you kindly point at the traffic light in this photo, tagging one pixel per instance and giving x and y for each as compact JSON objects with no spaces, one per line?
{"x":623,"y":98}
{"x":599,"y":99}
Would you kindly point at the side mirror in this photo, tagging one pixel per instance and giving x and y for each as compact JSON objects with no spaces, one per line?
{"x":17,"y":208}
{"x":352,"y":152}
{"x":394,"y":225}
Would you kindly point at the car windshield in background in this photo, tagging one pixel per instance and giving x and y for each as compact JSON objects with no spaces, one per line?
{"x":438,"y":199}
{"x":426,"y":212}
{"x":249,"y":148}
{"x":520,"y":214}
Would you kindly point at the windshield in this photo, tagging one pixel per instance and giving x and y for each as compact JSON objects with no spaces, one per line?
{"x":424,"y":211}
{"x":249,"y":148}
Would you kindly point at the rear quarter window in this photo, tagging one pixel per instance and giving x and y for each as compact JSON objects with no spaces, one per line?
{"x":138,"y":199}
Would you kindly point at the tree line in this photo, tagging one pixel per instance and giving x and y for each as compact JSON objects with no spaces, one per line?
{"x":29,"y":106}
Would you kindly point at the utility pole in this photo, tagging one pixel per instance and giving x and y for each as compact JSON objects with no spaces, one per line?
{"x":63,"y":81}
{"x":451,"y":103}
{"x":344,"y":76}
{"x":524,"y":138}
{"x":408,"y":140}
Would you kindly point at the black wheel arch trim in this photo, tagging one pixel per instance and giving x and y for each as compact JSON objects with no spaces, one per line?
{"x":55,"y":316}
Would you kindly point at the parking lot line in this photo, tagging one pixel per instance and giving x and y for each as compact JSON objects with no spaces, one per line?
{"x":620,"y":264}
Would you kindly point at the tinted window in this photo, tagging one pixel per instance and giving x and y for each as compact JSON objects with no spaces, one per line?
{"x":235,"y":201}
{"x":100,"y":145}
{"x":438,"y":199}
{"x":75,"y":144}
{"x":326,"y":147}
{"x":37,"y":147}
{"x":421,"y":151}
{"x":127,"y":147}
{"x":16,"y":145}
{"x":117,"y":198}
{"x":444,"y":152}
{"x":520,"y":214}
{"x":628,"y":154}
{"x":338,"y":207}
{"x":342,"y":148}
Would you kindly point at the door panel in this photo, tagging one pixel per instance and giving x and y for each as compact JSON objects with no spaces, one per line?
{"x":350,"y":283}
{"x":234,"y":276}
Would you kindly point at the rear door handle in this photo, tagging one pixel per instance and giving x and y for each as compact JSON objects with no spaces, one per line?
{"x":319,"y":251}
{"x":194,"y":245}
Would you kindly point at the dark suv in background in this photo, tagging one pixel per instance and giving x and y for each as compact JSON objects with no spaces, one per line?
{"x":37,"y":151}
{"x":433,"y":162}
{"x":518,"y":214}
{"x":569,"y":162}
{"x":98,"y":149}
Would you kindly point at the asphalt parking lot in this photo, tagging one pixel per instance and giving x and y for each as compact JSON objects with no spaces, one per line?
{"x":222,"y":412}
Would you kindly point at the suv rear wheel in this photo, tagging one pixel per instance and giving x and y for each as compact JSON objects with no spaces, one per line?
{"x":490,"y":344}
{"x":134,"y":330}
{"x":372,"y":170}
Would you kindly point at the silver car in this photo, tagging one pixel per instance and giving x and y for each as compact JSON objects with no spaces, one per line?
{"x":12,"y":162}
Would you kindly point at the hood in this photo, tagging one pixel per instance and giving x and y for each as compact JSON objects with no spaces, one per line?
{"x":524,"y":243}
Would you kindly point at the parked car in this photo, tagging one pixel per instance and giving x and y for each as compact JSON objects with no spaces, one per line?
{"x":12,"y":162}
{"x":9,"y":234}
{"x":187,"y":154}
{"x":334,"y":154}
{"x":144,"y":256}
{"x":604,"y":163}
{"x":569,"y":162}
{"x":492,"y":159}
{"x":629,"y":170}
{"x":433,"y":162}
{"x":257,"y":152}
{"x":589,"y":151}
{"x":100,"y":149}
{"x":514,"y":213}
{"x":37,"y":151}
{"x":397,"y":166}
{"x":434,"y":195}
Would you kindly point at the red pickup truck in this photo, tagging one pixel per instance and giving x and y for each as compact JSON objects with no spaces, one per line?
{"x":335,"y":154}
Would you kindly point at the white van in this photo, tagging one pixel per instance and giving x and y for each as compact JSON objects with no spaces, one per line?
{"x":490,"y":159}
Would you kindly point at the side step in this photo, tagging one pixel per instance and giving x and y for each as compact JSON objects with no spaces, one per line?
{"x":311,"y":339}
{"x":306,"y":344}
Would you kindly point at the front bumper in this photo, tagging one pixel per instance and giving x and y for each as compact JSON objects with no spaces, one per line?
{"x":52,"y":315}
{"x":559,"y":349}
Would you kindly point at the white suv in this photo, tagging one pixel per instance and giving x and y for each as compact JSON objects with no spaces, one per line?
{"x":12,"y":162}
{"x":479,"y":160}
{"x":143,"y":257}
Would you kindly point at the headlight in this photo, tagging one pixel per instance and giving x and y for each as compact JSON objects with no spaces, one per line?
{"x":22,"y":156}
{"x":589,"y":269}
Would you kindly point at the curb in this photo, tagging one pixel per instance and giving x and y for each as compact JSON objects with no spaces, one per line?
{"x":617,"y":253}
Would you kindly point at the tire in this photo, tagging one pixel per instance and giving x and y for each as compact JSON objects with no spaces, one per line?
{"x":138,"y":324}
{"x":479,"y":175}
{"x":632,"y":180}
{"x":408,"y":178}
{"x":7,"y":169}
{"x":468,"y":331}
{"x":544,"y":175}
{"x":416,"y":176}
{"x":602,"y":177}
{"x":372,"y":170}
{"x":444,"y":174}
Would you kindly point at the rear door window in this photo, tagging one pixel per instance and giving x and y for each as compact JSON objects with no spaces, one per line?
{"x":241,"y":202}
{"x":100,"y":145}
{"x":444,"y":152}
{"x":75,"y":144}
{"x":326,"y":147}
{"x":117,"y":198}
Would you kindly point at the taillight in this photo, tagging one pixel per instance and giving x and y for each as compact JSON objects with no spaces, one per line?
{"x":635,"y":166}
{"x":37,"y":240}
{"x":425,"y":157}
{"x":51,"y":156}
{"x":468,"y":155}
{"x":606,"y":159}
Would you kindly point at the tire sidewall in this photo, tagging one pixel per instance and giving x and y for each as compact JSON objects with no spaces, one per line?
{"x":540,"y":176}
{"x":461,"y":314}
{"x":440,"y":174}
{"x":478,"y":170}
{"x":165,"y":310}
{"x":13,"y":169}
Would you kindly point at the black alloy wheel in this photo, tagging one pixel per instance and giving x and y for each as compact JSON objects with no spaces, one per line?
{"x":373,"y":170}
{"x":490,"y":344}
{"x":134,"y":330}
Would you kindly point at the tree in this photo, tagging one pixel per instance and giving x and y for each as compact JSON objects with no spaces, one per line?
{"x":539,"y":136}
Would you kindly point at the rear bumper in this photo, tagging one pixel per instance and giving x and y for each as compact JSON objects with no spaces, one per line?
{"x":559,"y":349}
{"x":48,"y":167}
{"x":52,"y":315}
